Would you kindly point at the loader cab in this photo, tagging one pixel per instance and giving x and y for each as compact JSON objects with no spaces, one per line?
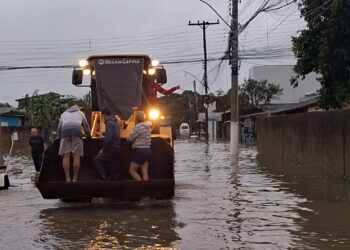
{"x":121,"y":83}
{"x":132,"y":76}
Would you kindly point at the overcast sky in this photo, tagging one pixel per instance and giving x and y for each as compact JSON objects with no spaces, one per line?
{"x":42,"y":32}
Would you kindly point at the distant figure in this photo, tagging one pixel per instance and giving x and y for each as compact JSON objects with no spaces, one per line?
{"x":53,"y":137}
{"x":37,"y":148}
{"x":155,"y":88}
{"x":141,"y":139}
{"x":71,"y":142}
{"x":107,"y":160}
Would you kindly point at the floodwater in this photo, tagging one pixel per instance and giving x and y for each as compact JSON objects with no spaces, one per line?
{"x":219,"y":203}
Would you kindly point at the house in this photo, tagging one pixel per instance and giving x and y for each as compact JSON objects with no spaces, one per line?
{"x":248,"y":121}
{"x":303,"y":98}
{"x":214,"y":121}
{"x":310,"y":105}
{"x":11,"y":117}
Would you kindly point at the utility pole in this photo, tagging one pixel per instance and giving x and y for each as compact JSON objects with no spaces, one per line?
{"x":205,"y":25}
{"x":195,"y":106}
{"x":233,"y":43}
{"x":234,"y":77}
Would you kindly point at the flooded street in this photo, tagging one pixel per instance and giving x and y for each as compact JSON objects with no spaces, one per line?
{"x":218,"y":204}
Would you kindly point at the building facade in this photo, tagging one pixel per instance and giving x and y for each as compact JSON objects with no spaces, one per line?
{"x":281,"y":75}
{"x":10,"y":117}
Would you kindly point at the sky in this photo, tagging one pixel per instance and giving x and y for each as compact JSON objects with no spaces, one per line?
{"x":51,"y":33}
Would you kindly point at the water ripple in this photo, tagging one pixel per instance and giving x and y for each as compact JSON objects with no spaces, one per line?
{"x":220,"y":203}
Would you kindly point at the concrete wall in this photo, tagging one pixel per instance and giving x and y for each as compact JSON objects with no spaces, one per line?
{"x":1,"y":159}
{"x":281,"y":74}
{"x":308,"y":144}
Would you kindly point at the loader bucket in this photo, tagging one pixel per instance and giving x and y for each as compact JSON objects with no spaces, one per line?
{"x":51,"y":182}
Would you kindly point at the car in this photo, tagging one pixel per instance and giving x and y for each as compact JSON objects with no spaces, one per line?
{"x":184,"y":130}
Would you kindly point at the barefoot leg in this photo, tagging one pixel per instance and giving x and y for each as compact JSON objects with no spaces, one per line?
{"x":76,"y":166}
{"x":66,"y":167}
{"x":144,"y":171}
{"x":133,"y":171}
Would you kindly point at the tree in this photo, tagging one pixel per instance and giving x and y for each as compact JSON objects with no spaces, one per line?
{"x":324,"y":48}
{"x":180,"y":107}
{"x":31,"y":107}
{"x":256,"y":95}
{"x":45,"y":110}
{"x":223,"y":100}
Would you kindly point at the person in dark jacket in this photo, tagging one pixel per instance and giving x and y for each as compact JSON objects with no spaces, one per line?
{"x":106,"y":161}
{"x":157,"y":88}
{"x":37,"y":148}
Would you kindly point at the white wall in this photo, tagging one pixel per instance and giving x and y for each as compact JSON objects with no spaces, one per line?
{"x":281,"y":74}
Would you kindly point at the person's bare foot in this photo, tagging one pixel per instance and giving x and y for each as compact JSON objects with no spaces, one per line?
{"x":74,"y":180}
{"x":68,"y":180}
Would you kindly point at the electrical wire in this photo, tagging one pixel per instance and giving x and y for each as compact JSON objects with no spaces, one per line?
{"x":179,"y":47}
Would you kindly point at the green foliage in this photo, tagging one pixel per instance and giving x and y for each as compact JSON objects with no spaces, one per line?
{"x":223,"y":100}
{"x":44,"y":110}
{"x":178,"y":108}
{"x":324,"y":48}
{"x":253,"y":97}
{"x":256,"y":95}
{"x":181,"y":107}
{"x":85,"y":101}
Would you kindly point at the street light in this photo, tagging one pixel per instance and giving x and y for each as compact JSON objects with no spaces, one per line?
{"x":200,"y":81}
{"x":216,"y":13}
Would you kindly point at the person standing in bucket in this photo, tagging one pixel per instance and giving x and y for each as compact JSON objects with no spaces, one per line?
{"x":141,"y":145}
{"x":37,"y":148}
{"x":71,"y":141}
{"x":107,"y":160}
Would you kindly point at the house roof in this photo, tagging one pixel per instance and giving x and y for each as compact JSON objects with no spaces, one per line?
{"x":11,"y":111}
{"x":5,"y":110}
{"x":47,"y":94}
{"x":293,"y":107}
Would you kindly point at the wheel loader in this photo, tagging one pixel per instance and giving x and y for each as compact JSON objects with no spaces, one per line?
{"x":122,"y":83}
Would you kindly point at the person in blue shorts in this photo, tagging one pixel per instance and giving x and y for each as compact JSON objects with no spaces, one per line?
{"x":141,"y":145}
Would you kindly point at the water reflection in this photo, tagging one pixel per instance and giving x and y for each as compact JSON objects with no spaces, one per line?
{"x":264,"y":215}
{"x":325,"y":215}
{"x":236,"y":206}
{"x":126,"y":226}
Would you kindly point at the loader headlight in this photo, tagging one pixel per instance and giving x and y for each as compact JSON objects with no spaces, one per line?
{"x":155,"y":63}
{"x":151,"y":71}
{"x":87,"y":72}
{"x":153,"y":114}
{"x":83,"y":63}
